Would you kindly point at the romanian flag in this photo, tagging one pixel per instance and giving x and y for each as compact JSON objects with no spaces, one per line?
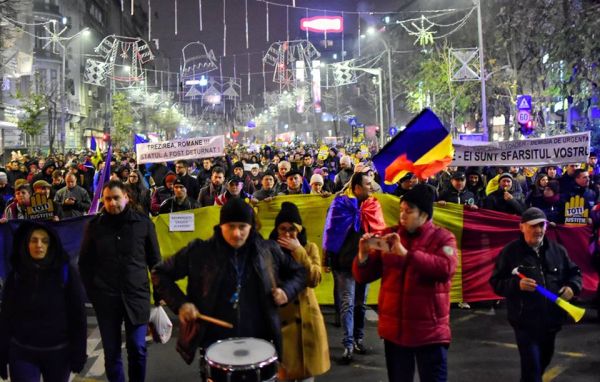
{"x":104,"y":178}
{"x":423,"y":148}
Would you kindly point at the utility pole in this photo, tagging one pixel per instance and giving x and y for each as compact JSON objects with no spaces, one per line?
{"x":484,"y":120}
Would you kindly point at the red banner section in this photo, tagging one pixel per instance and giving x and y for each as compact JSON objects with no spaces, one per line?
{"x":486,"y":232}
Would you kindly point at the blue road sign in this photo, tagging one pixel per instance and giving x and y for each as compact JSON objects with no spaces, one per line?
{"x":524,"y":102}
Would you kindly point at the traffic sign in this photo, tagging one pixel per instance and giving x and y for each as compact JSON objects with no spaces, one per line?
{"x":523,"y":116}
{"x":524,"y":102}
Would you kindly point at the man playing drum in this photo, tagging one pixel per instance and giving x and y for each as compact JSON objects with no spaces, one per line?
{"x":235,"y":276}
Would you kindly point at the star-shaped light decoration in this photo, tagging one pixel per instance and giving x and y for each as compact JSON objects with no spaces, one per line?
{"x":55,"y":37}
{"x":423,"y":31}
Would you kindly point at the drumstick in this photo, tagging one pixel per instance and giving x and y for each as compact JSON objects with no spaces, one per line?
{"x":214,"y":321}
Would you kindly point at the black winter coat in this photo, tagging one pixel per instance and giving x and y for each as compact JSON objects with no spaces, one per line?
{"x":204,"y":262}
{"x":170,"y":205}
{"x":495,"y":201}
{"x":116,"y":253}
{"x":43,"y":302}
{"x":552,"y":269}
{"x":452,"y":195}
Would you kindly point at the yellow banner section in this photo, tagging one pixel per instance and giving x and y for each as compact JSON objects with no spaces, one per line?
{"x":313,"y":209}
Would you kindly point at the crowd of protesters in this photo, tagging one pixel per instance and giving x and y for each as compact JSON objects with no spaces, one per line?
{"x":70,"y":182}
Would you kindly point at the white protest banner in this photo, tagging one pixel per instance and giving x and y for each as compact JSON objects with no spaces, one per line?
{"x":249,"y":166}
{"x":559,"y":149}
{"x":193,"y":148}
{"x":181,"y":222}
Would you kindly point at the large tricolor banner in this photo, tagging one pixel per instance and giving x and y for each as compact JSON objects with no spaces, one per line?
{"x":555,"y":150}
{"x":185,"y":149}
{"x":480,"y":236}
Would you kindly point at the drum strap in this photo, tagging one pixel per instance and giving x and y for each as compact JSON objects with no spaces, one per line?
{"x":239,"y":265}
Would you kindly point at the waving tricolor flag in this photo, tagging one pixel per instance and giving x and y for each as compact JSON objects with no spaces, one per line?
{"x":423,"y":148}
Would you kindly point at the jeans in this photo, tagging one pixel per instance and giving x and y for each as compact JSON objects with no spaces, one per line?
{"x":535,"y":350}
{"x":432,"y":362}
{"x":27,"y":365}
{"x":109,"y":323}
{"x":352,"y":298}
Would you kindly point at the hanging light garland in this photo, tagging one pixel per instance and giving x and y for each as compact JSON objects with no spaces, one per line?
{"x":224,"y":28}
{"x":200,"y":14}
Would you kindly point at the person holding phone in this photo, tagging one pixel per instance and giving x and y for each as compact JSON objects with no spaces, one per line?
{"x":416,"y":262}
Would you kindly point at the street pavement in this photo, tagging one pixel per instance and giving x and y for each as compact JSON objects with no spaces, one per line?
{"x":483,"y":349}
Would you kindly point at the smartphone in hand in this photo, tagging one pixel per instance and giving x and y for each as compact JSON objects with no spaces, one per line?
{"x":377,"y":243}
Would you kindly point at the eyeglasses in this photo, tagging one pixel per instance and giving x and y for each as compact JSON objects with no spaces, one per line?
{"x":133,"y":176}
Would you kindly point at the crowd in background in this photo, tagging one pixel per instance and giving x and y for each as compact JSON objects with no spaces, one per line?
{"x":71,"y":179}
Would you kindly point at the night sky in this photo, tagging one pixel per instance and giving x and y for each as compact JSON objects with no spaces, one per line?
{"x":163,"y":25}
{"x":169,"y":55}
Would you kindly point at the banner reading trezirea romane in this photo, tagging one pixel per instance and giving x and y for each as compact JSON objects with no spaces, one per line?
{"x":186,"y":149}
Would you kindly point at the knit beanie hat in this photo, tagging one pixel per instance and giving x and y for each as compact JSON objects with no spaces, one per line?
{"x":316,"y":178}
{"x":421,"y":196}
{"x":236,"y":210}
{"x":289,"y":213}
{"x":505,"y":175}
{"x":347,"y":160}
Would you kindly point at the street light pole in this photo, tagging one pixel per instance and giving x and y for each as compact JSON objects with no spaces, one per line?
{"x":390,"y":83}
{"x":381,"y":128}
{"x":484,"y":121}
{"x":63,"y":99}
{"x":392,"y":118}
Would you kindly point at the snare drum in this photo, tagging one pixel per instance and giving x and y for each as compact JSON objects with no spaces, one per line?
{"x":241,"y":359}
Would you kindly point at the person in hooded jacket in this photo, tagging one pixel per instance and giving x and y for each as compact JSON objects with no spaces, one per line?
{"x":43,"y":323}
{"x":551,"y":203}
{"x":45,"y":173}
{"x":162,"y":193}
{"x":475,"y":184}
{"x":305,"y":346}
{"x":536,"y":195}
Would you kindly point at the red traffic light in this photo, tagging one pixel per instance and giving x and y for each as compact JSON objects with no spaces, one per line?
{"x":106,"y":137}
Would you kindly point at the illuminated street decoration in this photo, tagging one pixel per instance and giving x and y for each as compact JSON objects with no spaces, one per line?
{"x":123,"y":61}
{"x":284,"y":55}
{"x":197,"y":61}
{"x":323,"y":24}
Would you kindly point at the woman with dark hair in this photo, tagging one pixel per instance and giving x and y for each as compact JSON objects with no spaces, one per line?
{"x":551,"y":203}
{"x":305,"y":346}
{"x":123,"y":173}
{"x":43,"y":324}
{"x":138,"y":193}
{"x":536,"y":194}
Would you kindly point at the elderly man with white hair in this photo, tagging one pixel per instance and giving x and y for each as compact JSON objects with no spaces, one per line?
{"x":345,"y":173}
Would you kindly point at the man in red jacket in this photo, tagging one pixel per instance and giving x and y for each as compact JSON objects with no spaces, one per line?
{"x":416,"y":262}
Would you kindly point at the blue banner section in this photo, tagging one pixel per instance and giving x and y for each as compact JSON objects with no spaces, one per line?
{"x":70,"y":232}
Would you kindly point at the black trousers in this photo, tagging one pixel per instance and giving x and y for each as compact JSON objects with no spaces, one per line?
{"x":535,"y":349}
